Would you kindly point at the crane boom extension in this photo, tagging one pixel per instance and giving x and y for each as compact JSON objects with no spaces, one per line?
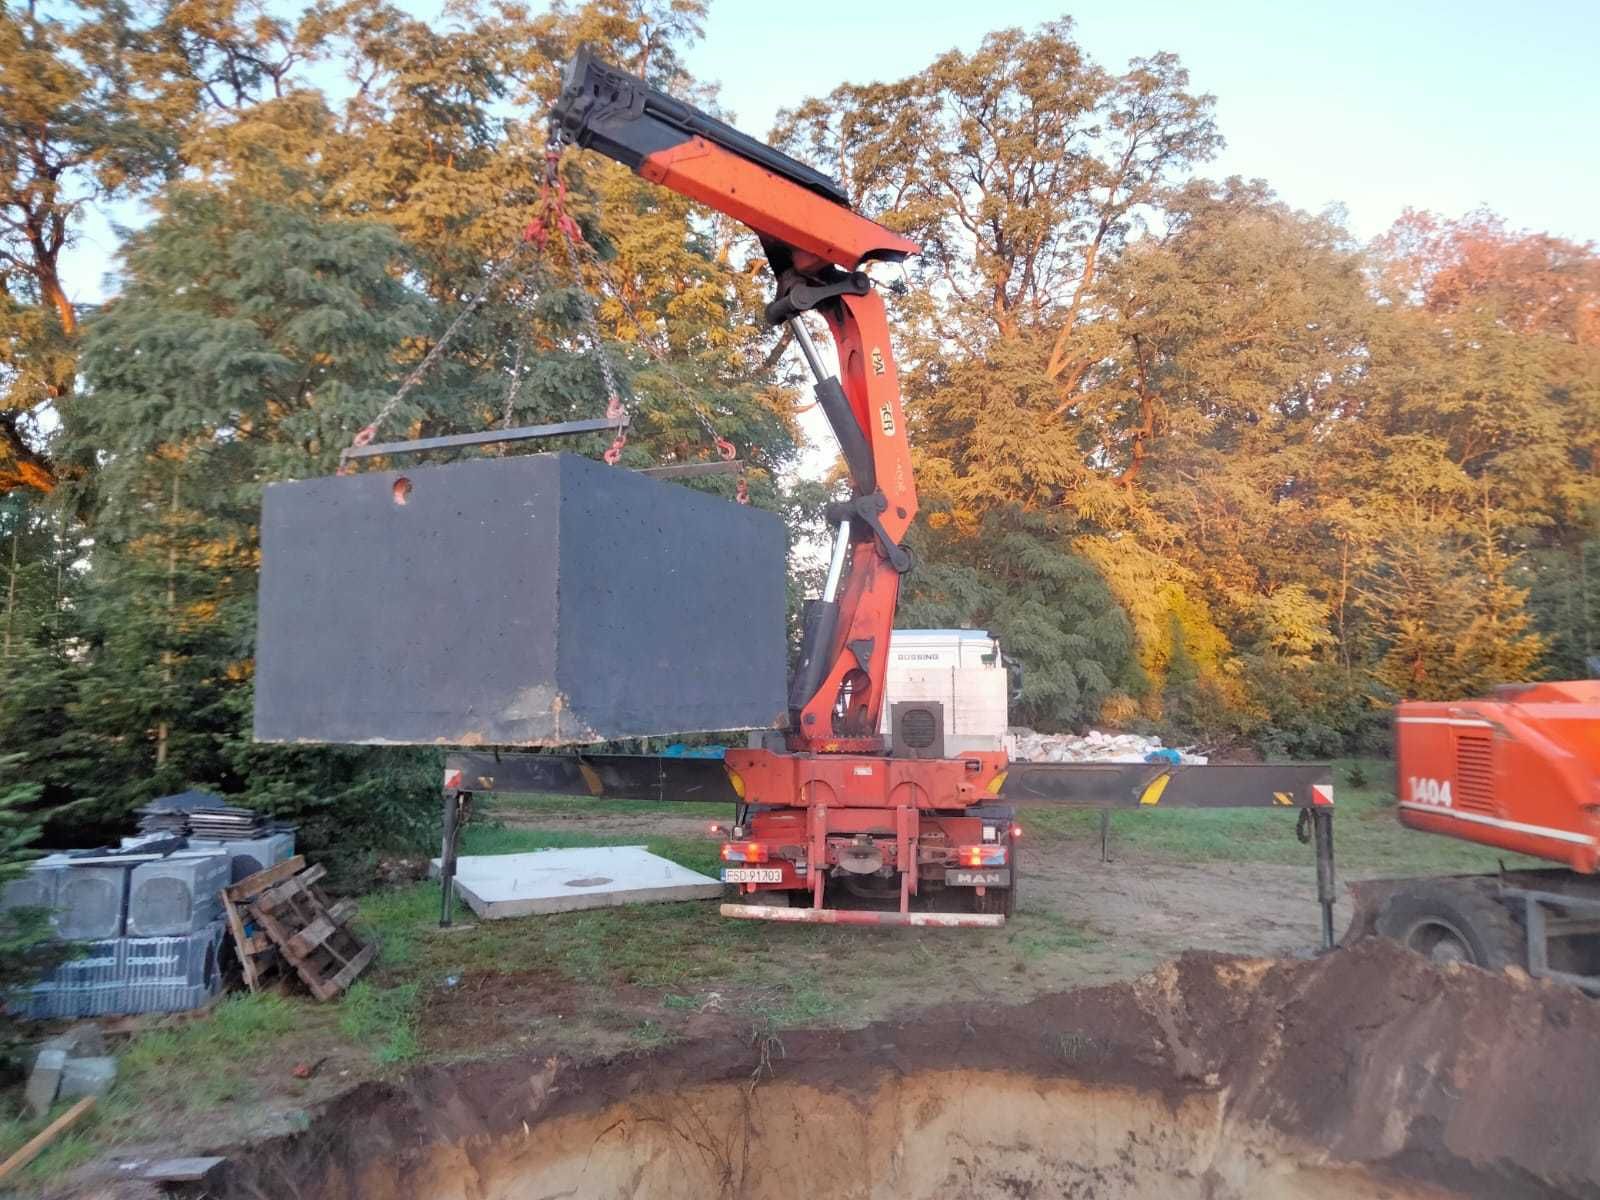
{"x":814,"y":243}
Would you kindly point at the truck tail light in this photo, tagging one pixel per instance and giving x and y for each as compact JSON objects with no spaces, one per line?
{"x":745,"y":852}
{"x":981,"y":856}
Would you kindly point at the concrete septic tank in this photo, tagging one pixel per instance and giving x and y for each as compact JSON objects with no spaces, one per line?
{"x":542,"y":600}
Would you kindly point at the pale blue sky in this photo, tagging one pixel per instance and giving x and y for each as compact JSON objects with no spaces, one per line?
{"x":1374,"y":105}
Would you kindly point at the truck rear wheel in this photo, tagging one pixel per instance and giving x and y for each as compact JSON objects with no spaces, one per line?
{"x":1454,"y":921}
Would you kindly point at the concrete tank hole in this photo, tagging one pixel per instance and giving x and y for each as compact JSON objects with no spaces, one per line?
{"x":1366,"y":1073}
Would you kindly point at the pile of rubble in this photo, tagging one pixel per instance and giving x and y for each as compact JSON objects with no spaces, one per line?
{"x":1025,"y":745}
{"x":69,"y":1066}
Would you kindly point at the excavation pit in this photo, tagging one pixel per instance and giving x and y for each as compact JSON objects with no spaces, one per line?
{"x":1368,"y":1073}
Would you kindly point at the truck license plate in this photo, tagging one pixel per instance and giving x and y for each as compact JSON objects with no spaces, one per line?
{"x":977,"y":878}
{"x":752,"y":874}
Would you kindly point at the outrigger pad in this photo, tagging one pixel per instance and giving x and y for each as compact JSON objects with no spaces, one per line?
{"x":543,"y":600}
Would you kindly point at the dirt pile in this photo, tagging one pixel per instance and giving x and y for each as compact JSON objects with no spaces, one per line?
{"x":1365,"y":1073}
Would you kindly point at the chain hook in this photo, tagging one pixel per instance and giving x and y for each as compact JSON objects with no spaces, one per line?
{"x":615,"y":411}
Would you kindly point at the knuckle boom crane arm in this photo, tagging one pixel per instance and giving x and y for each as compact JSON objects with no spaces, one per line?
{"x":834,"y":809}
{"x":815,"y":244}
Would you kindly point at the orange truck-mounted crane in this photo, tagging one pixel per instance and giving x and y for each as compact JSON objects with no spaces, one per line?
{"x":831,"y":807}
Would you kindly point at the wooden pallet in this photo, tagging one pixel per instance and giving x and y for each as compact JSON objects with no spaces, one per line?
{"x":295,"y":925}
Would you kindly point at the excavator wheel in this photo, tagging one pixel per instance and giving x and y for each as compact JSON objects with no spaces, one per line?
{"x":1451,"y":920}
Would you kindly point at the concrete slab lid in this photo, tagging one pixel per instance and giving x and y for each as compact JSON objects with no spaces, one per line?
{"x":549,"y":881}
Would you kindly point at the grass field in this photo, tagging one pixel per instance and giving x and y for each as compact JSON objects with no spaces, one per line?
{"x":614,"y":980}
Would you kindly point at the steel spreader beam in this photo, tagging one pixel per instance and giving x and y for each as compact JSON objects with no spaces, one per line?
{"x":1168,"y":785}
{"x":608,"y":776}
{"x":1055,"y":785}
{"x":489,"y":437}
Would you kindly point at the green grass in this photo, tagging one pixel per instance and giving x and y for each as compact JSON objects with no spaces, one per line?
{"x":384,"y":1020}
{"x":1037,"y":934}
{"x":394,"y":917}
{"x":779,"y":975}
{"x":690,"y":958}
{"x":70,"y":1150}
{"x":806,"y":1004}
{"x":233,"y":1033}
{"x":203,"y":1063}
{"x":1368,"y":838}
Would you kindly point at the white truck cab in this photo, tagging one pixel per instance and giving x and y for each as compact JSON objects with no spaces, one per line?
{"x":961,"y":669}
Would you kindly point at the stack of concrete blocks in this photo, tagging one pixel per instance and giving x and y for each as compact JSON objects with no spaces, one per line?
{"x":149,"y":929}
{"x":250,"y":855}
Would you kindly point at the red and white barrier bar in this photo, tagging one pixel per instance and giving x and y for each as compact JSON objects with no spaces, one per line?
{"x":845,"y":916}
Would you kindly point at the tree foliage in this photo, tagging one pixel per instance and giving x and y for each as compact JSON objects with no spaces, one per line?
{"x":1314,"y":476}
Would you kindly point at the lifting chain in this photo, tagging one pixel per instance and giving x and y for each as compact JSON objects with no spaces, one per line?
{"x":369,"y":431}
{"x":726,"y":450}
{"x":552,"y":220}
{"x":555,"y":221}
{"x":514,"y":388}
{"x":614,"y":405}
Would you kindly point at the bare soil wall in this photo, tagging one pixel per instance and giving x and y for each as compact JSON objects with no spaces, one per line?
{"x":1368,"y":1072}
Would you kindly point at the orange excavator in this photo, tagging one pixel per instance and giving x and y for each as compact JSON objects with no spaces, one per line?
{"x":832,"y":809}
{"x":1519,"y":771}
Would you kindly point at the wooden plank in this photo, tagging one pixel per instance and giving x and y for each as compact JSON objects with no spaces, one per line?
{"x":236,"y":928}
{"x":300,"y":927}
{"x":40,"y":1142}
{"x":311,"y":875}
{"x":273,"y":927}
{"x":353,"y":968}
{"x":346,"y":946}
{"x":257,"y":944}
{"x":253,"y":885}
{"x":321,"y":968}
{"x":286,"y":890}
{"x":315,"y":970}
{"x":309,"y":938}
